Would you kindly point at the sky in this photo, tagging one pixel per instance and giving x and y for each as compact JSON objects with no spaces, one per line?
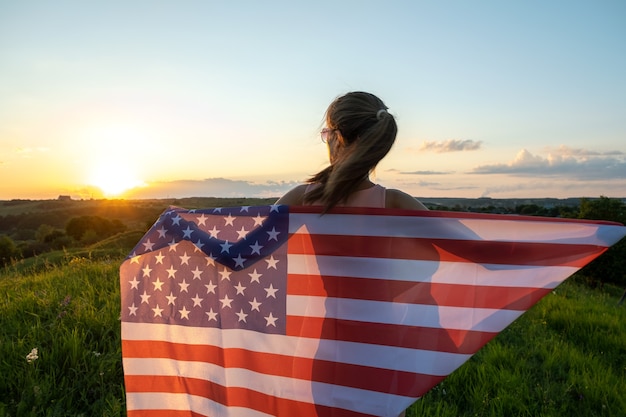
{"x":162,"y":99}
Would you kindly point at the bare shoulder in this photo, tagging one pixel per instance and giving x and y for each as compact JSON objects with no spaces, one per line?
{"x":401,"y":200}
{"x":293,"y":197}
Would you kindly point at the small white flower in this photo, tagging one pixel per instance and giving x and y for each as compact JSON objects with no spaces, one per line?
{"x":96,"y":353}
{"x":32,"y":356}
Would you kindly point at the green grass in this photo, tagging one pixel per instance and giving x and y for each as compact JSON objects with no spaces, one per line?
{"x":70,"y":313}
{"x":565,"y":357}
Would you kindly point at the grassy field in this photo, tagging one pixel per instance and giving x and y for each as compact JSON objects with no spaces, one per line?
{"x":565,"y":357}
{"x":68,"y":310}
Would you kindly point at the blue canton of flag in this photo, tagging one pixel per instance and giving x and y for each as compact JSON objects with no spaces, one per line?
{"x":223,"y":267}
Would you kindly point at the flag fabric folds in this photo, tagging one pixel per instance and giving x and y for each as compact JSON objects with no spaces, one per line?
{"x":281,"y":311}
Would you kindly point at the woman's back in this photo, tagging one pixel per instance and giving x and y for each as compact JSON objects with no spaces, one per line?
{"x":373,"y":196}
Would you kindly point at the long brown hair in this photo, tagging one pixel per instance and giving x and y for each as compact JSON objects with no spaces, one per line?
{"x":363,"y":134}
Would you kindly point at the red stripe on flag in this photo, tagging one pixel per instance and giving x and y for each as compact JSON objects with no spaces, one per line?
{"x":445,"y":250}
{"x":349,"y":375}
{"x":453,"y":295}
{"x":231,"y":396}
{"x":424,"y":338}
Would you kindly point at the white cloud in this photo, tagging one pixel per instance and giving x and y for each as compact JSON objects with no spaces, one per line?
{"x":565,"y":163}
{"x":426,"y":172}
{"x":451,"y":145}
{"x":579,"y":152}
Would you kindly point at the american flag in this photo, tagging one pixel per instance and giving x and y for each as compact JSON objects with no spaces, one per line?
{"x":280,"y":311}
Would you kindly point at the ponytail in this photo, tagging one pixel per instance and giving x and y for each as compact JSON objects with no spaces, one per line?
{"x":365,"y":132}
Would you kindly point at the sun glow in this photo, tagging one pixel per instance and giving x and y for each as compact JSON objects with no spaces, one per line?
{"x":114,"y":179}
{"x":112,"y":167}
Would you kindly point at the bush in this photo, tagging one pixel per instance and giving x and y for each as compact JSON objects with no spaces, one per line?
{"x":93,"y":228}
{"x":8,"y":250}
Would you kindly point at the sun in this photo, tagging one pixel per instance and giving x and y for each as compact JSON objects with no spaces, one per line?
{"x":114,"y":178}
{"x":110,"y":164}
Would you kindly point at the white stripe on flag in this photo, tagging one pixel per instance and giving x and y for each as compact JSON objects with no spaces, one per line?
{"x":463,"y":273}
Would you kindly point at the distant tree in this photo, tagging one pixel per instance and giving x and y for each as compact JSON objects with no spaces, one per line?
{"x":58,"y":239}
{"x":77,"y":227}
{"x":8,"y":250}
{"x":569,"y":212}
{"x":33,"y":248}
{"x":527,"y":209}
{"x":611,"y":266}
{"x":487,"y":209}
{"x":534,"y":210}
{"x":93,"y":228}
{"x":55,"y":235}
{"x":20,"y":234}
{"x":604,"y":208}
{"x":43,"y":231}
{"x":90,"y":236}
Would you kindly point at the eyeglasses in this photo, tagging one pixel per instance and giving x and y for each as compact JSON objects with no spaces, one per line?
{"x":324,"y":133}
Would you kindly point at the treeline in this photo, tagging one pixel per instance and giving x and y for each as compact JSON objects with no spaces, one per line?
{"x":566,"y":211}
{"x":21,"y":218}
{"x":55,"y":225}
{"x":79,"y":232}
{"x":31,"y":228}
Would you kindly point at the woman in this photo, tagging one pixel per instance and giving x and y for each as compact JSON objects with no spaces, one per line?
{"x":359,"y":133}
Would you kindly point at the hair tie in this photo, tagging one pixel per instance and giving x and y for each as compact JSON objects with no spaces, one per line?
{"x":379,"y":114}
